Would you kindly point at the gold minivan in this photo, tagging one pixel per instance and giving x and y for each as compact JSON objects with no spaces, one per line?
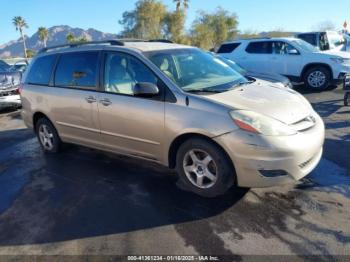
{"x":173,"y":104}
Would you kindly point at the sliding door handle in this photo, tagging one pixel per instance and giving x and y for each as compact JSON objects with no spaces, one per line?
{"x":105,"y":102}
{"x":90,"y":99}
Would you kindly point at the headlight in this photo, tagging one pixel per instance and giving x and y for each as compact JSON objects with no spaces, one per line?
{"x":340,"y":60}
{"x":260,"y":124}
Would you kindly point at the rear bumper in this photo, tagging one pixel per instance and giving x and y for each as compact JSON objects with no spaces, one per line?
{"x":292,"y":156}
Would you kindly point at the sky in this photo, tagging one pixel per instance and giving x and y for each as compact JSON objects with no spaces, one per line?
{"x":103,"y":15}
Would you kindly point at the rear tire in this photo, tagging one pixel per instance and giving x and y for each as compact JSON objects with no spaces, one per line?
{"x":317,"y":78}
{"x":204,"y":168}
{"x":47,"y":136}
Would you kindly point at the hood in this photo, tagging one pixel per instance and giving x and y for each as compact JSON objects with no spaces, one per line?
{"x":266,"y":82}
{"x":284,"y":105}
{"x":271,"y":77}
{"x":337,"y":53}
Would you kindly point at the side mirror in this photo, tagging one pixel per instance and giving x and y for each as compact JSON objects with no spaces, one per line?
{"x":293,"y":52}
{"x":145,"y":89}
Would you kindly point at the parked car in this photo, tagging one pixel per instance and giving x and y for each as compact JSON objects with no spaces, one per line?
{"x":266,"y":78}
{"x":327,"y":40}
{"x":4,"y":66}
{"x":291,"y":57}
{"x":9,"y":87}
{"x":175,"y":105}
{"x":19,"y":66}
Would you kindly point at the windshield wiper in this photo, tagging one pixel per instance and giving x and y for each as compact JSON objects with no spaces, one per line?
{"x":242,"y":84}
{"x":202,"y":90}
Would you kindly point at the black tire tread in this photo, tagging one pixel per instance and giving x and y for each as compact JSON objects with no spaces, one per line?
{"x":227,"y":174}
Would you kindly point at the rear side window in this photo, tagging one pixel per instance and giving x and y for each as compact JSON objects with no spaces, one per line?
{"x":40,"y":71}
{"x":228,"y":48}
{"x":77,"y":70}
{"x":264,"y":47}
{"x":310,"y":38}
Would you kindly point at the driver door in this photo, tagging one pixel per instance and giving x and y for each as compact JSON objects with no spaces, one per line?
{"x":286,"y":59}
{"x":129,"y":124}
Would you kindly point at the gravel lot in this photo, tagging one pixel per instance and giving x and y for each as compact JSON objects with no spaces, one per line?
{"x":87,"y":202}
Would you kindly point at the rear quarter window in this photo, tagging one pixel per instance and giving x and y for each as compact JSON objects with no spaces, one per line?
{"x":310,"y":38}
{"x":228,"y":48}
{"x":40,"y":71}
{"x":263,"y":47}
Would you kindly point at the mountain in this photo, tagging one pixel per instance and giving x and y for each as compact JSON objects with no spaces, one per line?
{"x":57,"y":36}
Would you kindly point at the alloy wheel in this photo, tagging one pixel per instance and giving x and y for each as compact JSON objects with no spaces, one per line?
{"x":46,"y":137}
{"x":317,"y":79}
{"x":200,"y":168}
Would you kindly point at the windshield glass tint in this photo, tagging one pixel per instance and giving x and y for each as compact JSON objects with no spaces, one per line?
{"x":192,"y":69}
{"x":233,"y":65}
{"x":304,"y":45}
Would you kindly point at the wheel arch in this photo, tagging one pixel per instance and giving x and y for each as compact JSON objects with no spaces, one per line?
{"x":38,"y":115}
{"x":311,"y":65}
{"x":179,"y":140}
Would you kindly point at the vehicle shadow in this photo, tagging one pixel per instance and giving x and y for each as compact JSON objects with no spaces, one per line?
{"x":82,"y":193}
{"x":323,"y":108}
{"x":304,"y":90}
{"x":8,"y":110}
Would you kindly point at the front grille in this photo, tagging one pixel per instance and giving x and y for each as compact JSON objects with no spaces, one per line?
{"x":347,"y":82}
{"x":304,"y":124}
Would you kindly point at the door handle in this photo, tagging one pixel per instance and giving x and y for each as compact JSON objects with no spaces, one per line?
{"x":90,"y":99}
{"x":105,"y":102}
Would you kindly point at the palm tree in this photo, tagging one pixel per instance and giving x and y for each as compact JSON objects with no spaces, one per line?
{"x":43,"y":35}
{"x":70,"y":38}
{"x":180,"y":3}
{"x":20,"y":24}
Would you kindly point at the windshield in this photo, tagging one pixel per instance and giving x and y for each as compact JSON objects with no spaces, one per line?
{"x":195,"y":70}
{"x":335,"y":40}
{"x":233,"y":65}
{"x":304,"y":45}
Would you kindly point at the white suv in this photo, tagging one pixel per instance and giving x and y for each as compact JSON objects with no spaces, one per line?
{"x":292,"y":57}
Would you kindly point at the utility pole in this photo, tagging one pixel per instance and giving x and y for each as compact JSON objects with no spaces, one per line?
{"x":345,"y":27}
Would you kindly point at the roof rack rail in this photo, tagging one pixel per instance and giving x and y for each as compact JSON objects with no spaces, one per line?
{"x":125,"y":40}
{"x":118,"y":42}
{"x":161,"y":41}
{"x":111,"y":42}
{"x":253,"y":38}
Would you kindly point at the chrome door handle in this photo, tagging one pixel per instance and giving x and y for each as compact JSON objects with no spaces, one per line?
{"x":90,"y":99}
{"x":105,"y":102}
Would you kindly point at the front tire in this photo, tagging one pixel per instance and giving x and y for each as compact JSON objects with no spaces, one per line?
{"x":317,"y":78}
{"x":204,"y":168}
{"x":346,"y":98}
{"x":47,"y":136}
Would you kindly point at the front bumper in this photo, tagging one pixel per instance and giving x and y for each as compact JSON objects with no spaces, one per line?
{"x":254,"y":154}
{"x":10,"y":101}
{"x":340,"y":72}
